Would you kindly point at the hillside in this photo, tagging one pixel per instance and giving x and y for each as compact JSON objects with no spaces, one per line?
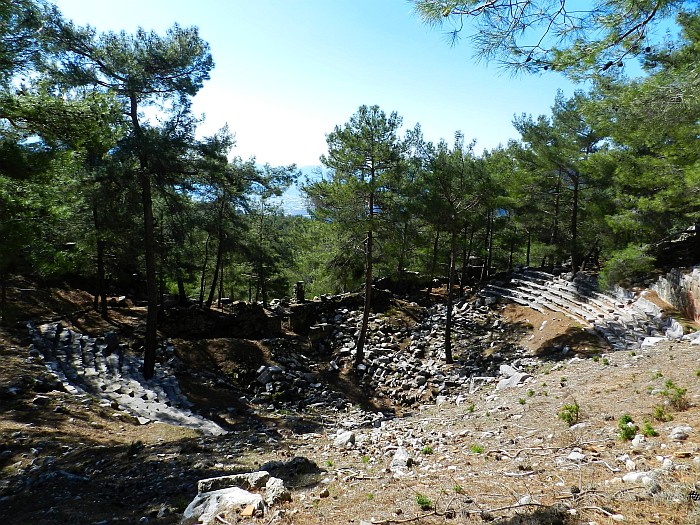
{"x":425,"y":443}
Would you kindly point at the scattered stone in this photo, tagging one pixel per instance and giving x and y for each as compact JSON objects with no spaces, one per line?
{"x":680,"y":433}
{"x":246,"y":481}
{"x":276,"y":492}
{"x":344,"y":439}
{"x":576,"y":456}
{"x":401,"y":460}
{"x":41,"y":400}
{"x":205,"y":507}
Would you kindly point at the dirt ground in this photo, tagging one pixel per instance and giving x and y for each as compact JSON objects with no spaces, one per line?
{"x":549,"y":451}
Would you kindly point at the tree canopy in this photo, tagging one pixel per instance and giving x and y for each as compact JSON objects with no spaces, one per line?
{"x":94,"y":187}
{"x":564,"y":35}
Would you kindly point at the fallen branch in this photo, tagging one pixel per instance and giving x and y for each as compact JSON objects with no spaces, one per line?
{"x":222,"y":520}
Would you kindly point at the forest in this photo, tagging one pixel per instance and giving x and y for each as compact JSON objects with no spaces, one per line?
{"x":94,"y":191}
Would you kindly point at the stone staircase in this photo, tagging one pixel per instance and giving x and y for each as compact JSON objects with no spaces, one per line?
{"x":623,"y":319}
{"x":98,"y":367}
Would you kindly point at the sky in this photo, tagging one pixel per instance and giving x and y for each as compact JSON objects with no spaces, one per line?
{"x":287,"y":72}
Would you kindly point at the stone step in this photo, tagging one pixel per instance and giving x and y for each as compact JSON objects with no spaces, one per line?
{"x":81,"y":365}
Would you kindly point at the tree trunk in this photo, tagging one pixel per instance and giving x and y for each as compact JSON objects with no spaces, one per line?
{"x":161,"y":272}
{"x":181,"y":294}
{"x":433,"y":264}
{"x":100,"y":292}
{"x":466,"y":258}
{"x":488,"y":241}
{"x":360,"y":350}
{"x":529,"y":245}
{"x":554,"y":234}
{"x":510,"y":251}
{"x":202,"y":280}
{"x":221,"y":287}
{"x":149,"y":360}
{"x":219,"y":254}
{"x":489,"y":261}
{"x":360,"y":347}
{"x":575,"y":260}
{"x":215,"y":279}
{"x":402,"y":252}
{"x":450,"y":284}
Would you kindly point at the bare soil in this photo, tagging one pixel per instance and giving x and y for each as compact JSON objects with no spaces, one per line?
{"x":501,"y":456}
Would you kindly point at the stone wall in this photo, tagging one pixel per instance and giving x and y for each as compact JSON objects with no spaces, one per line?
{"x":681,"y":289}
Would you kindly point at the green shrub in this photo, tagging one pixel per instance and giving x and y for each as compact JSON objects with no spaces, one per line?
{"x":648,"y":430}
{"x":569,"y":413}
{"x":627,"y":428}
{"x":660,"y":414}
{"x":427,"y":450}
{"x":477,"y":449}
{"x":424,"y":502}
{"x":675,"y":395}
{"x":625,"y":266}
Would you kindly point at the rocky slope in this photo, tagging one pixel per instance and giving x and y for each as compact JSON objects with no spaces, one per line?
{"x":408,"y":438}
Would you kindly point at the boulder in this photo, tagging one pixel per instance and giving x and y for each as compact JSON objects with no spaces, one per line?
{"x":276,"y":492}
{"x":205,"y":507}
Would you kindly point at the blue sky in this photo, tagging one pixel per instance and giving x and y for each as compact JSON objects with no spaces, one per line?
{"x":287,"y":71}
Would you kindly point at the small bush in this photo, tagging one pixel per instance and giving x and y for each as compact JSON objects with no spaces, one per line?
{"x":424,"y":502}
{"x":477,"y":449}
{"x":627,"y":428}
{"x":625,"y":266}
{"x":675,"y":395}
{"x":521,"y":400}
{"x":427,"y":450}
{"x":648,"y":430}
{"x":660,"y":414}
{"x":569,"y":413}
{"x":458,"y":489}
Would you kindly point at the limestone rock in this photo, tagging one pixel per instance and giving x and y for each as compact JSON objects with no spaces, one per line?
{"x":680,"y":433}
{"x":276,"y":492}
{"x":205,"y":507}
{"x":344,"y":439}
{"x":401,"y":460}
{"x":245,"y":481}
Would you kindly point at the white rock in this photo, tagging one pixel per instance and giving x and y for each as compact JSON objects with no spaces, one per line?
{"x":652,"y":341}
{"x":675,"y":331}
{"x":206,"y":506}
{"x":637,"y":442}
{"x":576,"y":456}
{"x":276,"y":492}
{"x":401,"y":460}
{"x":344,"y":439}
{"x":680,"y":433}
{"x":636,"y":477}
